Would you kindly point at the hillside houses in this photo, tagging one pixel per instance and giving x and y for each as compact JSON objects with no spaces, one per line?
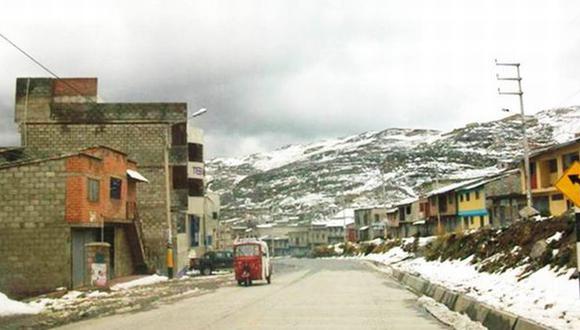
{"x":489,"y":201}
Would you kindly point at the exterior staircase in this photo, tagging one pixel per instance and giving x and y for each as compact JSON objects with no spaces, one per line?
{"x":134,"y":234}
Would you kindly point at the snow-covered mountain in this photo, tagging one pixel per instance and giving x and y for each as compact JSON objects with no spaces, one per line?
{"x":306,"y":182}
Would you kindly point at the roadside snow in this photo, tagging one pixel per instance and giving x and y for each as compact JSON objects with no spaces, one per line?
{"x":453,"y":319}
{"x":12,"y":307}
{"x":556,"y":237}
{"x":152,"y":279}
{"x":390,"y":257}
{"x":544,"y":296}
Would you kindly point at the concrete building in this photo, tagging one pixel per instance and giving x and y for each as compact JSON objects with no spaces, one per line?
{"x":547,"y":165}
{"x":53,"y":205}
{"x":443,"y":208}
{"x":370,"y":222}
{"x":299,"y":242}
{"x":505,"y":198}
{"x":471,"y":206}
{"x":57,"y":116}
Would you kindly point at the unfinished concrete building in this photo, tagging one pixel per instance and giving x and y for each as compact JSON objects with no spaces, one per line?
{"x":64,"y":116}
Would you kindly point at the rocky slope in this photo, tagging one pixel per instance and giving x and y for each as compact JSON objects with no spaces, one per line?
{"x":305,"y":182}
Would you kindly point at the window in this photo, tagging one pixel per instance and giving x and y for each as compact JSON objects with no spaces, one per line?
{"x":569,"y":159}
{"x":179,"y":177}
{"x":467,"y":196}
{"x":195,"y":187}
{"x":376,"y":218}
{"x":472,"y":220}
{"x":461,"y":197}
{"x":409,"y":209}
{"x":421,"y":207}
{"x":477,"y":194}
{"x":194,"y":232}
{"x":195,"y":152}
{"x":214,"y":215}
{"x":557,"y":197}
{"x":553,"y":165}
{"x":179,"y":134}
{"x":481,"y":221}
{"x":94,"y":190}
{"x":115,"y":188}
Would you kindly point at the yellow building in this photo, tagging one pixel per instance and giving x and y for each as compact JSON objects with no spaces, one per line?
{"x":547,"y":165}
{"x":471,"y":206}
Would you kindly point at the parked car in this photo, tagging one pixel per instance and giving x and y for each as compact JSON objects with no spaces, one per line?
{"x":212,"y":261}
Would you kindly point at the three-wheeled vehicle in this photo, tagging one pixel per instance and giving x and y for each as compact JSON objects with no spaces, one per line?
{"x":251,"y":261}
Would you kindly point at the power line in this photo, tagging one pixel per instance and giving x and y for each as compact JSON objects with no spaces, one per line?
{"x":37,"y":62}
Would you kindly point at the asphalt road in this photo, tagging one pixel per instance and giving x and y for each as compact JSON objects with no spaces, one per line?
{"x":304,"y":294}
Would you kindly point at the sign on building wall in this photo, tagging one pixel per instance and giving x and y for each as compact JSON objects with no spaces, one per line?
{"x":99,"y":275}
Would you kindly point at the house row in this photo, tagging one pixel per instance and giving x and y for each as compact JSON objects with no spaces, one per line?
{"x":494,"y":200}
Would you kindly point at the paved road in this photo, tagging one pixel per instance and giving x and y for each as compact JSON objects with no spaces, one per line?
{"x":304,"y":294}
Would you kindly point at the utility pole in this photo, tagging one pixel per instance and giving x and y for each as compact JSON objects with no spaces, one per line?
{"x":520,"y":93}
{"x":169,"y":256}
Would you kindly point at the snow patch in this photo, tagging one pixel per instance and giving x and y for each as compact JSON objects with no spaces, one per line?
{"x":148,"y":280}
{"x":12,"y":307}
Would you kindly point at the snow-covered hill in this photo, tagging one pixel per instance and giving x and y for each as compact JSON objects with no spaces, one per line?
{"x":311,"y":180}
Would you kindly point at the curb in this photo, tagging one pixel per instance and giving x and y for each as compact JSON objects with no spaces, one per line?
{"x":490,"y":317}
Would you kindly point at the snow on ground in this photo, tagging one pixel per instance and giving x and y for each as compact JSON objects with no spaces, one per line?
{"x":453,"y":319}
{"x":543,"y":296}
{"x":556,"y":237}
{"x":152,"y":279}
{"x":12,"y":307}
{"x":390,"y":257}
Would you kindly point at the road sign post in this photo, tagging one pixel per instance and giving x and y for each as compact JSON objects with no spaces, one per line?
{"x":569,"y":185}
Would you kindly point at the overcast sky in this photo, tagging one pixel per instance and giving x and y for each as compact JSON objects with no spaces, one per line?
{"x":278,"y":72}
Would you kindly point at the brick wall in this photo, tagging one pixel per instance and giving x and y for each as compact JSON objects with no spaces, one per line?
{"x":34,"y":237}
{"x":144,"y":143}
{"x":110,"y":164}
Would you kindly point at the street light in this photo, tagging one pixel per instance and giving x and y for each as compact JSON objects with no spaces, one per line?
{"x":198,"y":113}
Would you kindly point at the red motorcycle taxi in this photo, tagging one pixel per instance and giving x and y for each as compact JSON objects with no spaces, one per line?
{"x":251,"y":261}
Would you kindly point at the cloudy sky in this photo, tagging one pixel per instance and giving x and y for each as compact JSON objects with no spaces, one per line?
{"x":278,"y":72}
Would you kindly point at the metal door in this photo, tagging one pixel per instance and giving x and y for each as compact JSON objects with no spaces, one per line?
{"x":80,"y":237}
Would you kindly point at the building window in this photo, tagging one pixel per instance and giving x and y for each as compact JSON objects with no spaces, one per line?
{"x":179,"y":134}
{"x":409,"y":209}
{"x":421,"y":207}
{"x":553,"y":165}
{"x":477,"y":194}
{"x":461,"y":197}
{"x":214,"y":215}
{"x":569,"y":159}
{"x":195,"y":187}
{"x":472,"y":220}
{"x":557,"y":197}
{"x":195,"y":152}
{"x":179,"y":177}
{"x":376,"y":218}
{"x":467,"y":196}
{"x":94,"y":190}
{"x":115,"y":188}
{"x":481,"y":221}
{"x":194,"y":230}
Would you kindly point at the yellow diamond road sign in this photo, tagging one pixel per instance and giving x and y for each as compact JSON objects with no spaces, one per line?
{"x":569,"y":183}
